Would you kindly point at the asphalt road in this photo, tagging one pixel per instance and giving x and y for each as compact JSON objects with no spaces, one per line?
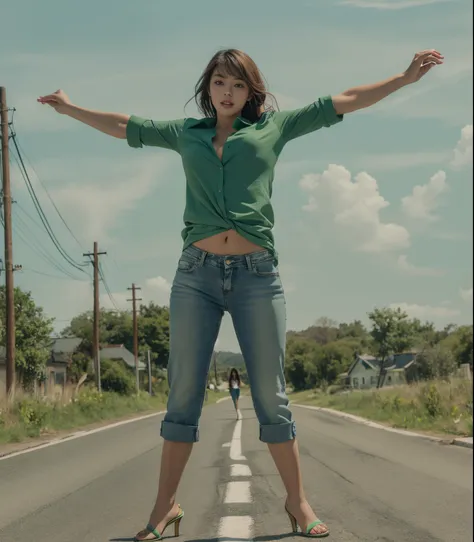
{"x":368,"y":485}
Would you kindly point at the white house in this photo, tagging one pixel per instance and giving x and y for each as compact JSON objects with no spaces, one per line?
{"x":365,"y":369}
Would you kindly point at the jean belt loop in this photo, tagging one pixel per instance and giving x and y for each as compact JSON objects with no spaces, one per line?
{"x":248,"y":260}
{"x":203,"y":258}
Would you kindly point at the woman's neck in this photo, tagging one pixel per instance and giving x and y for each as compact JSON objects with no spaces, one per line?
{"x":225,"y":124}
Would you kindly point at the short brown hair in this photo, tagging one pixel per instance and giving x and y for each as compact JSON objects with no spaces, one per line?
{"x":240,"y":65}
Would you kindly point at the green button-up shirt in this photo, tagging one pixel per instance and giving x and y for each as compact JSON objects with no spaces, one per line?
{"x":233,"y":193}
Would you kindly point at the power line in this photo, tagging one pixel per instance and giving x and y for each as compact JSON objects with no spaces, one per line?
{"x":46,"y":190}
{"x":106,"y":286}
{"x":41,"y":214}
{"x":25,"y":233}
{"x":50,"y":275}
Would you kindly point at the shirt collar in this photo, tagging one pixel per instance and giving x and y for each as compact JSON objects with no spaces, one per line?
{"x":210,"y":122}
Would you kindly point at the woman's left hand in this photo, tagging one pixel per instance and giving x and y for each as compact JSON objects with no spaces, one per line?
{"x":422,"y":64}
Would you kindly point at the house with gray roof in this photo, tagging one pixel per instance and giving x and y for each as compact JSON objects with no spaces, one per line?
{"x":365,"y":370}
{"x":118,"y":352}
{"x":62,"y":351}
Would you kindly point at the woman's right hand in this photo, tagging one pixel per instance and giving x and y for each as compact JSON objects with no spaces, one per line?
{"x":59,"y":101}
{"x":113,"y":124}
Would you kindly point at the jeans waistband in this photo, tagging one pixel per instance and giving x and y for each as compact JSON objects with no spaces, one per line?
{"x":231,"y":260}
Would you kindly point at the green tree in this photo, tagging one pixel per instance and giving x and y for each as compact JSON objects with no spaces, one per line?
{"x":354,"y":330}
{"x":460,"y":342}
{"x":154,"y":333}
{"x":114,"y":328}
{"x":117,"y":328}
{"x":117,"y":378}
{"x":334,"y":359}
{"x":32,"y":336}
{"x":301,"y":370}
{"x":79,"y":365}
{"x":392,"y":333}
{"x":434,"y":362}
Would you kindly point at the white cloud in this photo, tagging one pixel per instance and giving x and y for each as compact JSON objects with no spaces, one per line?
{"x":466,"y":295}
{"x":463,"y":151}
{"x":390,"y":4}
{"x":425,"y":312}
{"x":411,"y":269}
{"x":95,"y":207}
{"x":159,"y":288}
{"x":353,"y":207}
{"x":423,"y":201}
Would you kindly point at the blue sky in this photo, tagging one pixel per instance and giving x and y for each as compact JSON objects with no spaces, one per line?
{"x":376,"y":211}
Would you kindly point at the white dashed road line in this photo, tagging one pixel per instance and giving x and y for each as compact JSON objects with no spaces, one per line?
{"x":233,"y":528}
{"x":236,"y":444}
{"x":239,"y":470}
{"x":237,"y":493}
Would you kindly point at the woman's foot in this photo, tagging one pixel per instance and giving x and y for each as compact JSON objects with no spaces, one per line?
{"x":159,"y":519}
{"x":304,"y":515}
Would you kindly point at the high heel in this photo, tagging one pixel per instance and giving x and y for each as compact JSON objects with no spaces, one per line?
{"x":309,"y":528}
{"x":294,"y":524}
{"x":176,"y":521}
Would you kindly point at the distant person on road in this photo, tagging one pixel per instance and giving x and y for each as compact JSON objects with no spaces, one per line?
{"x":234,"y":389}
{"x":229,"y":261}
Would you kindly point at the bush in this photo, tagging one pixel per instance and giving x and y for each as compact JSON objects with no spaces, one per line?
{"x":440,"y":406}
{"x":431,"y":398}
{"x":32,"y":413}
{"x":117,"y":378}
{"x":160,"y":387}
{"x":432,"y":363}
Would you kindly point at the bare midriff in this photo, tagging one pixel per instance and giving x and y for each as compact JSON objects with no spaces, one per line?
{"x":227,"y":243}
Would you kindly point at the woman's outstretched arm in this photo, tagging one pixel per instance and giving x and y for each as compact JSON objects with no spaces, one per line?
{"x":113,"y":124}
{"x":367,"y":95}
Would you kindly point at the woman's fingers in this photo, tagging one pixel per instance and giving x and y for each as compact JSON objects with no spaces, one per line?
{"x":48,"y":99}
{"x":433,"y":52}
{"x":429,"y":56}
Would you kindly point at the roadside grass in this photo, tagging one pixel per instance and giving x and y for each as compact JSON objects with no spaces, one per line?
{"x":438,"y":406}
{"x":30,"y":417}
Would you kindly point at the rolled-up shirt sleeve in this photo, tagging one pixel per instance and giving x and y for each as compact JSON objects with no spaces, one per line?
{"x":153,"y":133}
{"x":299,"y":122}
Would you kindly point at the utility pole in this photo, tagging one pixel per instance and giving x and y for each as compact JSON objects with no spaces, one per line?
{"x":7,"y":215}
{"x":135,"y":331}
{"x":150,"y":388}
{"x":95,"y":334}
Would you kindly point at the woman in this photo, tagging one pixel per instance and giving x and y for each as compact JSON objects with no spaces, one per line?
{"x":229,"y":261}
{"x":234,"y":389}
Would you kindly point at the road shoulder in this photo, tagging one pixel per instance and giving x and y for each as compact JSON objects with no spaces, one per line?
{"x":444,"y":439}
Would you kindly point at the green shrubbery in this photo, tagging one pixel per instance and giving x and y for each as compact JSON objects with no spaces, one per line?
{"x":439,"y":406}
{"x":30,"y":417}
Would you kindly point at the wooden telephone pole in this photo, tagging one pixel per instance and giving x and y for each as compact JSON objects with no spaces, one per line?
{"x":95,"y":334}
{"x":135,"y":331}
{"x":7,"y":216}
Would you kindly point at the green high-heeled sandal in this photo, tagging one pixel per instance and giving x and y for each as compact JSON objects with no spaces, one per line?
{"x":159,"y":536}
{"x":309,"y":528}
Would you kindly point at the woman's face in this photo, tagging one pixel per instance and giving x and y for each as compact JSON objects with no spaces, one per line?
{"x":228,"y":94}
{"x":233,"y":374}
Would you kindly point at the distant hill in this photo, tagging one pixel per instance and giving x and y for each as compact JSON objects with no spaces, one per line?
{"x":226,"y":360}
